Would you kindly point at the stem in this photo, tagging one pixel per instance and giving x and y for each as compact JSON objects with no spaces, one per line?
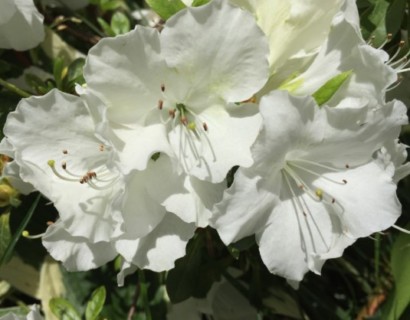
{"x":132,"y":310}
{"x":144,"y":294}
{"x":11,"y":87}
{"x":377,"y":260}
{"x":7,"y":254}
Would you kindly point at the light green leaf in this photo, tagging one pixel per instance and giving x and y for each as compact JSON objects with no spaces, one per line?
{"x":120,"y":23}
{"x":5,"y":234}
{"x":198,"y":3}
{"x":400,"y":263}
{"x":21,"y":311}
{"x":378,"y":19}
{"x":326,"y":92}
{"x":63,"y":309}
{"x":166,"y":8}
{"x":95,"y":304}
{"x":106,"y":27}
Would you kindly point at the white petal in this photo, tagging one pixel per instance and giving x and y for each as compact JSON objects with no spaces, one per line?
{"x":8,"y":9}
{"x":211,"y":153}
{"x":126,"y":72}
{"x":160,"y":248}
{"x":76,"y":253}
{"x":126,"y":269}
{"x":58,"y":127}
{"x":345,"y":50}
{"x":24,"y":30}
{"x":203,"y":45}
{"x":196,"y":204}
{"x":294,"y":235}
{"x":295,"y":29}
{"x":244,"y":207}
{"x":367,"y":203}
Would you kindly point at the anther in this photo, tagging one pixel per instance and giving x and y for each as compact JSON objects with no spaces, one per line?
{"x":102,"y":147}
{"x":333,"y":200}
{"x":191,"y":126}
{"x":65,"y":151}
{"x":51,"y":163}
{"x":344,"y":181}
{"x":184,"y":120}
{"x":347,"y":166}
{"x":64,"y":165}
{"x":162,"y":87}
{"x":319,"y":193}
{"x":160,"y":104}
{"x":205,"y":126}
{"x":172,"y":112}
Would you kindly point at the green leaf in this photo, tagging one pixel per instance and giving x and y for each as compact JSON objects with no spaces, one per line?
{"x":198,"y":3}
{"x":374,"y":22}
{"x":9,"y":250}
{"x":400,"y":263}
{"x":75,"y":71}
{"x":5,"y":234}
{"x":95,"y":304}
{"x":59,"y":72}
{"x":326,"y":92}
{"x":182,"y":280}
{"x":106,"y":27}
{"x":395,"y":15}
{"x":63,"y":309}
{"x":120,"y":23}
{"x":166,"y":8}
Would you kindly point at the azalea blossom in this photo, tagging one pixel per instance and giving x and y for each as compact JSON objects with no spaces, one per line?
{"x":21,"y":25}
{"x":180,"y":92}
{"x":102,"y":213}
{"x":295,"y":29}
{"x":304,"y":198}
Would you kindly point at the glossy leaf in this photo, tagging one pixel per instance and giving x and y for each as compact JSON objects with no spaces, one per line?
{"x":95,"y":304}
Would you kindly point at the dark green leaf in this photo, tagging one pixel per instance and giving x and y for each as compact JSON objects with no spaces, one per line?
{"x":182,"y":280}
{"x":120,"y":23}
{"x":166,"y":8}
{"x":326,"y":92}
{"x":395,"y":16}
{"x":95,"y":304}
{"x":63,"y":309}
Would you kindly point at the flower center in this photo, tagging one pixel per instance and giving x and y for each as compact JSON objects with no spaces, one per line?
{"x":99,"y":178}
{"x":294,"y":170}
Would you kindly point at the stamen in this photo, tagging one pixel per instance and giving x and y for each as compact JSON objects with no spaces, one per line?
{"x":297,"y":200}
{"x":171,"y":113}
{"x":102,"y":147}
{"x":389,"y":36}
{"x":191,"y":126}
{"x":160,"y":104}
{"x":162,"y":87}
{"x":319,"y":193}
{"x":27,"y":235}
{"x":51,"y":164}
{"x":65,"y":151}
{"x":205,"y":126}
{"x":316,"y":174}
{"x":401,"y":229}
{"x":401,"y":45}
{"x":316,"y":164}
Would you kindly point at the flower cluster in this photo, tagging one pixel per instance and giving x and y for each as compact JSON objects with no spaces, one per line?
{"x":288,"y":92}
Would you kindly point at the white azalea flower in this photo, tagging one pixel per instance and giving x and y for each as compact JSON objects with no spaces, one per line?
{"x":55,"y":146}
{"x":21,"y":25}
{"x":296,"y":30}
{"x":175,"y":92}
{"x":314,"y":187}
